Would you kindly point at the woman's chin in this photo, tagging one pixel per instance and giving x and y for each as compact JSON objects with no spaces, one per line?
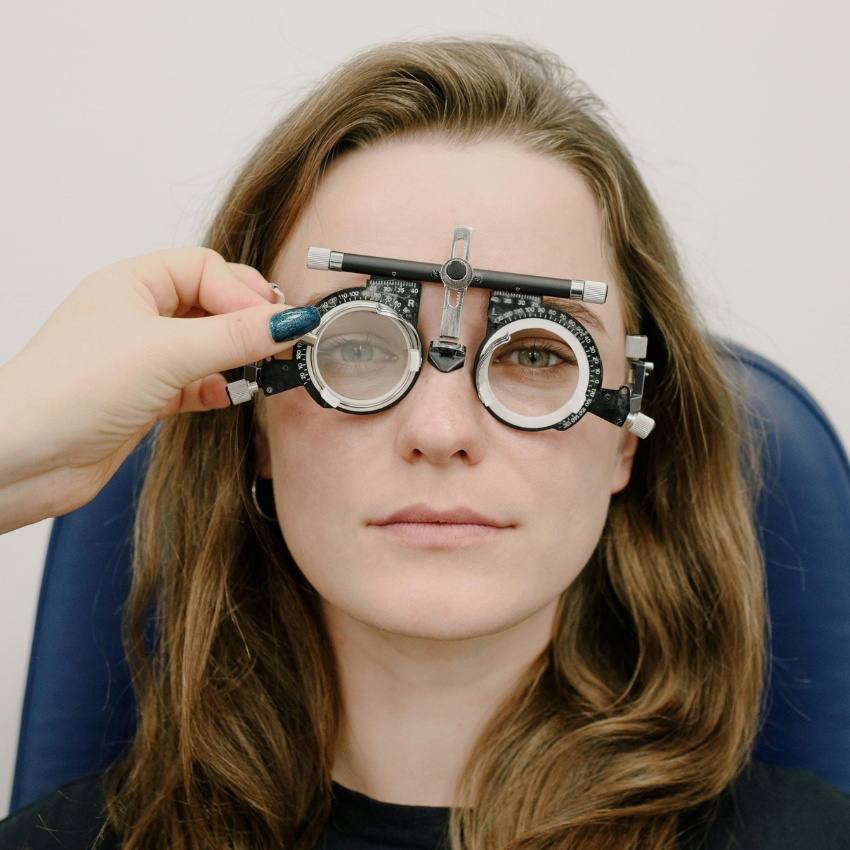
{"x":434,"y":615}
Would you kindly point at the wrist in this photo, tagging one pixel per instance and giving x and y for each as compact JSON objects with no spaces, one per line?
{"x":30,"y":500}
{"x":34,"y":484}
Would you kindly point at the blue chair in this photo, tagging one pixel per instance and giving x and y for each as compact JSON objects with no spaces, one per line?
{"x":78,"y":709}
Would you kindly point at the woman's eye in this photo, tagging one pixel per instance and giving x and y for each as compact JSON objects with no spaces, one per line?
{"x":534,"y":357}
{"x":355,"y":350}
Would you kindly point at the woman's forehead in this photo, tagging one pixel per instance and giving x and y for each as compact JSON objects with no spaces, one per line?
{"x":530,"y":214}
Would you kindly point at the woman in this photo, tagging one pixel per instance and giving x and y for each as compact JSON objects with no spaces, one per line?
{"x":342,"y":625}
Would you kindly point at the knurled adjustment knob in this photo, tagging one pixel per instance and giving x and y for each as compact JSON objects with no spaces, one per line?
{"x":595,"y":292}
{"x":640,"y":424}
{"x":241,"y":391}
{"x":318,"y":258}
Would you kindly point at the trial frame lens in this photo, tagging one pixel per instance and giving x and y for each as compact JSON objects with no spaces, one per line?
{"x":353,"y":328}
{"x":491,"y":389}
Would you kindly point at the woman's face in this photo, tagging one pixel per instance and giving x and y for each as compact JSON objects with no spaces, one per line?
{"x":522,"y":511}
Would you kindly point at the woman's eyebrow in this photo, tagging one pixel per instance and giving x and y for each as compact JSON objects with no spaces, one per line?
{"x":575,"y":308}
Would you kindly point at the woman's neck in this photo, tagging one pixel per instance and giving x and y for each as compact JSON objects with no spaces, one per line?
{"x":413,"y":707}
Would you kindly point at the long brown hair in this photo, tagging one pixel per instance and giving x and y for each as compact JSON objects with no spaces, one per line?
{"x":647,"y":700}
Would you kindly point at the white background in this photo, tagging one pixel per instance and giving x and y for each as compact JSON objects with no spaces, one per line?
{"x":121,"y":123}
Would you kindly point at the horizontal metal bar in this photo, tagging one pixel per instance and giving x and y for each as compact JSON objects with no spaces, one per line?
{"x":525,"y":284}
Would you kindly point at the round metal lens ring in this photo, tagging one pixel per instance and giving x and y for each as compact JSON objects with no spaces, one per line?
{"x":532,"y":423}
{"x":355,"y":405}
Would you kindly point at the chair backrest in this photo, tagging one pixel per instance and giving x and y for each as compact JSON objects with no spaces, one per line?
{"x":78,"y":712}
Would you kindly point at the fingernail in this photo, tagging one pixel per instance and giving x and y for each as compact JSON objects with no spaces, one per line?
{"x":290,"y":324}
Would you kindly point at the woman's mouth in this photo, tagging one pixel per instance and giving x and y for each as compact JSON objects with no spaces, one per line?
{"x":420,"y":525}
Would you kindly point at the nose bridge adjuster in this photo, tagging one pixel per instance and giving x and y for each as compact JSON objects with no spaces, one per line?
{"x":447,"y":353}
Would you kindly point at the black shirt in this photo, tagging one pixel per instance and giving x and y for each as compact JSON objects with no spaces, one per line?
{"x":767,"y":808}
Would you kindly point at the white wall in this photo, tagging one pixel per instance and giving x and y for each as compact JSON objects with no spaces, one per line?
{"x":120,"y":122}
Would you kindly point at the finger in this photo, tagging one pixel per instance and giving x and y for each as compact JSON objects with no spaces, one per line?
{"x":200,"y":347}
{"x":193,"y":313}
{"x":208,"y":393}
{"x":185,"y":278}
{"x":250,"y":277}
{"x":253,"y":279}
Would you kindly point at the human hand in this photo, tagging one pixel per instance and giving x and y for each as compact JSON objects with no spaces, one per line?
{"x":137,"y":341}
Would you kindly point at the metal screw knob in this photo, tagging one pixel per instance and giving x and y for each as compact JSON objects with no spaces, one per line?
{"x":595,"y":292}
{"x":241,"y":391}
{"x":640,"y":424}
{"x":636,"y":347}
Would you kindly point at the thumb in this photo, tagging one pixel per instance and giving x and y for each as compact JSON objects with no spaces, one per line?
{"x":201,"y":346}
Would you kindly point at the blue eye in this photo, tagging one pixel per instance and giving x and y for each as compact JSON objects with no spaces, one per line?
{"x":356,"y":352}
{"x":350,"y":350}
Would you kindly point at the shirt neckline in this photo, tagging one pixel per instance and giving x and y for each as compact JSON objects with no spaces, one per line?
{"x":355,"y":815}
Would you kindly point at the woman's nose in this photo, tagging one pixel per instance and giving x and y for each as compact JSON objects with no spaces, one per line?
{"x":442,"y":420}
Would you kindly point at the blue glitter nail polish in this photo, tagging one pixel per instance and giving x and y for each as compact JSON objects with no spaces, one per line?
{"x":290,"y":324}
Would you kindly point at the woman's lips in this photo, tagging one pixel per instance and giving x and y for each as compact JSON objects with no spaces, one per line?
{"x":420,"y":525}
